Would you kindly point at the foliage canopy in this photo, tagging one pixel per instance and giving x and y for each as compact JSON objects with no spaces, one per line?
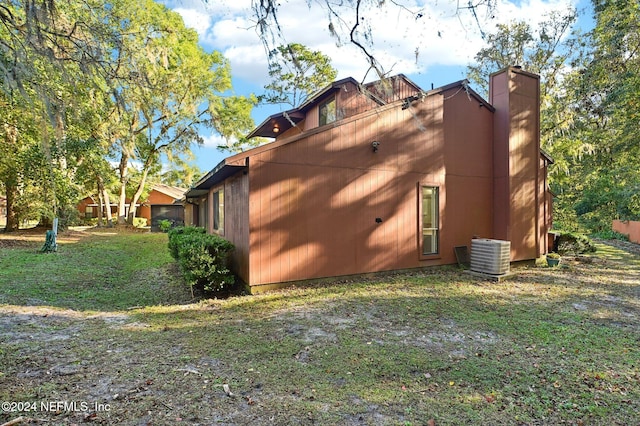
{"x":88,"y":85}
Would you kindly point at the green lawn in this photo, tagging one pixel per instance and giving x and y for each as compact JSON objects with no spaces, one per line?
{"x":101,"y":271}
{"x":549,"y":346}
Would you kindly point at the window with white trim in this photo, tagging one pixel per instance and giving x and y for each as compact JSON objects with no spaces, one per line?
{"x":429,"y":220}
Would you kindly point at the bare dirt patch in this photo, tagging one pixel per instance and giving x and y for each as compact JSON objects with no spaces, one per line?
{"x":35,"y":237}
{"x":401,"y":352}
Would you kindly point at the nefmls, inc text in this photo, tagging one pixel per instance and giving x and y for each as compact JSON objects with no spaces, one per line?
{"x":73,"y":406}
{"x":53,"y":406}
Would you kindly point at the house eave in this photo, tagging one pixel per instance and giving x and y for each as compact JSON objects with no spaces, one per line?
{"x":221,"y":172}
{"x":546,"y":156}
{"x":283,"y":121}
{"x":288,"y":119}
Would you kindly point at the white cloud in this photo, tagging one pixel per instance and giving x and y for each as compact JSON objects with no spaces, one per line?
{"x":441,"y":37}
{"x":198,"y":20}
{"x":213,"y":141}
{"x":402,"y":43}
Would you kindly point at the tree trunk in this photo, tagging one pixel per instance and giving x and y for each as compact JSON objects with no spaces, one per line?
{"x":13,"y":222}
{"x":100,"y":207}
{"x":107,"y":204}
{"x":122,"y":203}
{"x":11,"y":181}
{"x":137,"y":195}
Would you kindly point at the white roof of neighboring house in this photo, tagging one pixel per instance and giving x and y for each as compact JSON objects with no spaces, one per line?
{"x":171,"y":191}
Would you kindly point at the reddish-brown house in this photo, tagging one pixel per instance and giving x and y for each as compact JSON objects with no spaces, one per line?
{"x":88,"y":207}
{"x":630,"y":228}
{"x":163,"y":202}
{"x":379,"y":177}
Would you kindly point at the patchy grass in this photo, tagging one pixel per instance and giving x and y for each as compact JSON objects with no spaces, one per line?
{"x":97,"y":270}
{"x":550,"y":346}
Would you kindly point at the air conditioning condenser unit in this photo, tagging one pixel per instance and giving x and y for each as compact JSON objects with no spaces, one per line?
{"x":490,"y":256}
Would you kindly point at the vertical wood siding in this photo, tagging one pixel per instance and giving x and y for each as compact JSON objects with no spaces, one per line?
{"x":236,"y":205}
{"x":311,"y":201}
{"x":314,"y":202}
{"x":516,"y":161}
{"x":544,"y":207}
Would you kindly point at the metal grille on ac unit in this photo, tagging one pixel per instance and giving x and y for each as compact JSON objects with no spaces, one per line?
{"x":490,"y":256}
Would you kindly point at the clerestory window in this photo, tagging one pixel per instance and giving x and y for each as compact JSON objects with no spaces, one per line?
{"x":328,"y":112}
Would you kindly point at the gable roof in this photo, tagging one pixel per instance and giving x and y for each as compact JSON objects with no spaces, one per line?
{"x":171,"y":191}
{"x":287,"y":119}
{"x":238,"y":162}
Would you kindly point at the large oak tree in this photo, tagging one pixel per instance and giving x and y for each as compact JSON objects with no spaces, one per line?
{"x":118,"y":80}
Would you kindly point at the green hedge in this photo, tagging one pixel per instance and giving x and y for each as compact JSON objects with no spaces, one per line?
{"x":175,"y":234}
{"x":203,"y":258}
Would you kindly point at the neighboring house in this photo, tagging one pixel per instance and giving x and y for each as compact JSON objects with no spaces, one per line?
{"x":89,"y":207}
{"x":163,"y":202}
{"x":369,"y":178}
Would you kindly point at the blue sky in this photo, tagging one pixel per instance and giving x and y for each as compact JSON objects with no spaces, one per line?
{"x":445,"y":42}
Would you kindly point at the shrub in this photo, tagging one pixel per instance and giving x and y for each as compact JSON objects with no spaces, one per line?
{"x":179,"y":232}
{"x":203,"y":258}
{"x":573,"y":243}
{"x":610,"y":234}
{"x":139,"y":222}
{"x":165,"y":225}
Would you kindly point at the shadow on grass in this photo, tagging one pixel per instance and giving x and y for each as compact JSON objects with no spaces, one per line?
{"x":549,"y":346}
{"x":457,"y":351}
{"x":93,"y":271}
{"x":434,"y":344}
